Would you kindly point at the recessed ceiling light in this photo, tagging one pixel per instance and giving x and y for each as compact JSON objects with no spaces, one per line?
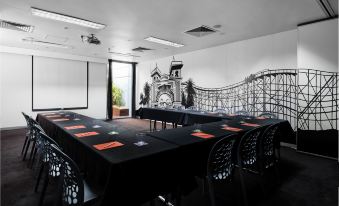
{"x":44,"y":43}
{"x":162,"y":41}
{"x":66,"y":18}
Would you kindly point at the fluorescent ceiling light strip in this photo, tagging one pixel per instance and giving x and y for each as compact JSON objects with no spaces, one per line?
{"x":162,"y":41}
{"x":48,"y":44}
{"x":66,"y":18}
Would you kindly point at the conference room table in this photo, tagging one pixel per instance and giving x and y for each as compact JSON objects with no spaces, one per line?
{"x":132,"y":168}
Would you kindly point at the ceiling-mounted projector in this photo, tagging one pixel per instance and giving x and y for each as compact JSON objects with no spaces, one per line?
{"x":91,"y":39}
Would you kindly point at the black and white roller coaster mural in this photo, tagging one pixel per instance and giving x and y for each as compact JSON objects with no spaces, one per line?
{"x":307,"y":98}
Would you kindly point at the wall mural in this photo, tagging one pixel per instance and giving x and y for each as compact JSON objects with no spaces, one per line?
{"x":307,"y":98}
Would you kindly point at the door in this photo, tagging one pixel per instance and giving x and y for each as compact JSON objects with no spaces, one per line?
{"x":121,"y":89}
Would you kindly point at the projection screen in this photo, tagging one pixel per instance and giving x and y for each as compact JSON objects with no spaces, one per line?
{"x":59,"y":84}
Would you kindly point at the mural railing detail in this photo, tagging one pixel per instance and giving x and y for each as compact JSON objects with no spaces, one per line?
{"x":307,"y":98}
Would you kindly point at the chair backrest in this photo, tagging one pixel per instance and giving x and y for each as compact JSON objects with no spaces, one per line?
{"x":25,"y":116}
{"x":28,"y":120}
{"x":247,"y":152}
{"x":268,"y":115}
{"x":45,"y":143}
{"x":267,"y":144}
{"x":35,"y":134}
{"x":220,"y":164}
{"x":71,"y":180}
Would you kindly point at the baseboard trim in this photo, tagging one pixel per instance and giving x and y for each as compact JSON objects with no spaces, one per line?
{"x":317,"y":155}
{"x":12,"y":128}
{"x":284,"y":144}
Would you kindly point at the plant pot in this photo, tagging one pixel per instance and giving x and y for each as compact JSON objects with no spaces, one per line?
{"x":120,"y":111}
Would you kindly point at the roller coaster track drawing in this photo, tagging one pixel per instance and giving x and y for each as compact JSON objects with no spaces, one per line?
{"x":307,"y":98}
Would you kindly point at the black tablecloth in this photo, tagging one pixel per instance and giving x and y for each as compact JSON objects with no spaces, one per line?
{"x":181,"y":117}
{"x":186,"y":118}
{"x":194,"y":150}
{"x":140,"y":172}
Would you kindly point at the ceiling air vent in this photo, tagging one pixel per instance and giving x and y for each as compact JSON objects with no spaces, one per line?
{"x":141,"y":49}
{"x":16,"y":26}
{"x":329,"y":7}
{"x":201,"y":31}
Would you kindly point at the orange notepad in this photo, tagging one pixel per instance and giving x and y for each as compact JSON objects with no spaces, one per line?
{"x":202,"y":135}
{"x":75,"y":127}
{"x":86,"y":134}
{"x":232,"y":129}
{"x":60,"y":120}
{"x":250,"y":124}
{"x":108,"y":145}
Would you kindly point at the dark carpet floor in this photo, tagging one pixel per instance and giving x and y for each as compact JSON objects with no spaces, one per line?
{"x":305,"y":180}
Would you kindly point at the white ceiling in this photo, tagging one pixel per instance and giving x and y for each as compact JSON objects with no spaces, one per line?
{"x":130,"y":21}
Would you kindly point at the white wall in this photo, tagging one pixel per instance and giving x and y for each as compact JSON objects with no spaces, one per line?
{"x":318,"y":46}
{"x":16,"y":89}
{"x":230,"y":63}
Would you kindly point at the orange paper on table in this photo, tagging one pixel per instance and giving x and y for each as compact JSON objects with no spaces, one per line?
{"x":60,"y":120}
{"x":232,"y":129}
{"x":51,"y":116}
{"x":75,"y":127}
{"x":202,"y":135}
{"x":86,"y":134}
{"x":108,"y":145}
{"x":250,"y":124}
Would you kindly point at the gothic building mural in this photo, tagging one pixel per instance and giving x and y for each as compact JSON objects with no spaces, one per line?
{"x":166,"y":88}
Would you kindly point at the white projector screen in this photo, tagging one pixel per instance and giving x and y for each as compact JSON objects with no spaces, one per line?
{"x":59,"y":84}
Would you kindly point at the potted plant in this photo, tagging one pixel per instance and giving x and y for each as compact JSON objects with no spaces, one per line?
{"x":145,"y":97}
{"x":119,"y":108}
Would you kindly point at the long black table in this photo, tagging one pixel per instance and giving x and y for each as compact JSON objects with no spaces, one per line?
{"x":187,"y":118}
{"x":129,"y":174}
{"x":194,"y":150}
{"x":132,"y":174}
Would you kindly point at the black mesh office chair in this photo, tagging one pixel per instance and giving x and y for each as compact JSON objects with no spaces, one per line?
{"x":269,"y":149}
{"x":247,"y":156}
{"x":45,"y":156}
{"x":74,"y":190}
{"x":37,"y":144}
{"x":220,"y":166}
{"x":28,"y":135}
